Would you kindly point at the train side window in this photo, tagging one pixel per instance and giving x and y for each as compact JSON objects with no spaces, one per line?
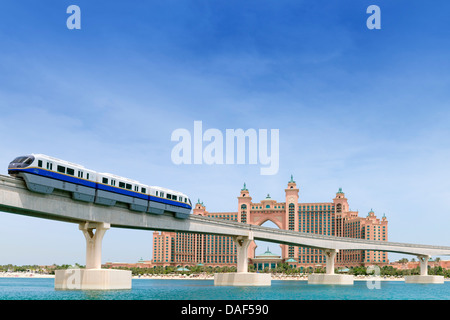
{"x":105,"y":180}
{"x":70,"y":171}
{"x":185,"y":200}
{"x":80,"y":174}
{"x":121,"y":184}
{"x":61,"y":169}
{"x":169,"y":196}
{"x":49,"y":166}
{"x":157,"y":193}
{"x":128,"y":186}
{"x":136,"y":188}
{"x":174,"y":197}
{"x":143,"y":190}
{"x":113,"y":182}
{"x":40,"y":163}
{"x":162,"y":194}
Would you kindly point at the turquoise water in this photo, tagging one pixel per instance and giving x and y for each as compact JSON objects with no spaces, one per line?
{"x":150,"y":289}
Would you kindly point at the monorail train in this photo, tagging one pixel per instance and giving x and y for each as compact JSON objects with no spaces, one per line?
{"x":43,"y":174}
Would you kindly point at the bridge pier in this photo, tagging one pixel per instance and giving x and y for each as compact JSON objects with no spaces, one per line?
{"x":93,"y":277}
{"x":424,"y":277}
{"x":242,"y":277}
{"x":329,"y":277}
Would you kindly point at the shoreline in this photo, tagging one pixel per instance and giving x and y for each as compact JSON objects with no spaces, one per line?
{"x":274,"y":277}
{"x":29,"y":275}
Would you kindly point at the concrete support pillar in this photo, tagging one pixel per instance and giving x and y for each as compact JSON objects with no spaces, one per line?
{"x":424,"y":277}
{"x":94,"y":243}
{"x":242,"y":277}
{"x":424,"y":265}
{"x":330,"y":277}
{"x":330,"y":257}
{"x":242,"y":244}
{"x":93,"y":277}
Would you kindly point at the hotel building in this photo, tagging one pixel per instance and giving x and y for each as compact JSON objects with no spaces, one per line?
{"x":332,"y":218}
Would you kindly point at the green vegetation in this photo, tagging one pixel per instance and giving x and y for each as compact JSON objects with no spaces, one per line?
{"x":37,"y":269}
{"x":283,"y":268}
{"x":173,"y":270}
{"x":391,"y":271}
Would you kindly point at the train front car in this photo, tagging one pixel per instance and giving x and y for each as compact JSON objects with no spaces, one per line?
{"x":19,"y":163}
{"x":25,"y":168}
{"x":44,"y":174}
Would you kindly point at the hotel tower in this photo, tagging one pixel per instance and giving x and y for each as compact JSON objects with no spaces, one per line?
{"x":332,"y":218}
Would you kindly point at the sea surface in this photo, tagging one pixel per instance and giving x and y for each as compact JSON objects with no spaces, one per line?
{"x":193,"y":290}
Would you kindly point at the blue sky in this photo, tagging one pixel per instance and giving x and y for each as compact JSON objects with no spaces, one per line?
{"x":365,"y":110}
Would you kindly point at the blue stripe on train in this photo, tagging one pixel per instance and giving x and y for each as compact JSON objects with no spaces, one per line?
{"x":122,"y":191}
{"x":91,"y":184}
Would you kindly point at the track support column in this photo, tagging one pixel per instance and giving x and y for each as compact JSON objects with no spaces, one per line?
{"x":424,"y":277}
{"x":330,"y":255}
{"x":242,"y":244}
{"x":330,"y":277}
{"x":94,"y":243}
{"x":93,"y":277}
{"x":424,"y":265}
{"x":242,"y":277}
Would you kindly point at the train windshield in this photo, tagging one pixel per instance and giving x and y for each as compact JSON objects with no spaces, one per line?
{"x":26,"y":160}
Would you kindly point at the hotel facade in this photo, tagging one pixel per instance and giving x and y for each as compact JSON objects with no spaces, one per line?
{"x":332,"y":218}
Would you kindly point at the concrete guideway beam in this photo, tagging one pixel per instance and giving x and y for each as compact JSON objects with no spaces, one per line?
{"x":16,"y":198}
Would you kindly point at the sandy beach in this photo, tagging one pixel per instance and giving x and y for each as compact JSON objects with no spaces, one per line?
{"x":24,"y":275}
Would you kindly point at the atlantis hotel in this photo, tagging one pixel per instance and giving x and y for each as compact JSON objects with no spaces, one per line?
{"x":332,"y":218}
